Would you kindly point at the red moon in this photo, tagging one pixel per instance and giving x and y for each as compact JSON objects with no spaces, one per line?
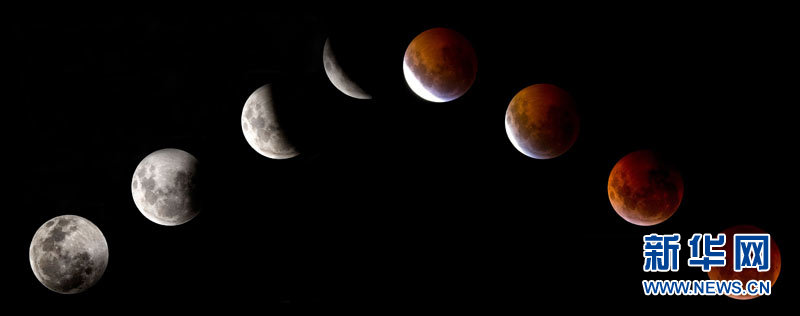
{"x":440,"y":65}
{"x":644,"y":189}
{"x":542,"y":122}
{"x":727,"y":273}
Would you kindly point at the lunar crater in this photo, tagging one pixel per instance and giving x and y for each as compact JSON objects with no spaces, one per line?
{"x":542,"y":121}
{"x":261,"y":126}
{"x":68,"y":254}
{"x":168,"y":191}
{"x":644,"y":189}
{"x":440,"y":65}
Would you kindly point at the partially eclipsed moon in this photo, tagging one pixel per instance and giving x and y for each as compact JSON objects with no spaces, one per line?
{"x":440,"y":65}
{"x":164,"y":187}
{"x":542,"y":122}
{"x":644,"y":189}
{"x":727,"y":273}
{"x":262,"y":128}
{"x":68,"y":254}
{"x":338,"y":76}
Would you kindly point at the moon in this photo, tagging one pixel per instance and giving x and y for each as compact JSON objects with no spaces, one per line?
{"x":542,"y":121}
{"x":338,"y":76}
{"x":68,"y":254}
{"x":261,"y":126}
{"x":440,"y":65}
{"x":727,"y":273}
{"x":644,"y":189}
{"x":164,"y":187}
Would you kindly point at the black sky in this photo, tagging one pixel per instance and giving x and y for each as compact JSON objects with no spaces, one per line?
{"x":399,"y":203}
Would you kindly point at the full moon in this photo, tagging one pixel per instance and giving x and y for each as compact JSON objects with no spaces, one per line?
{"x":644,"y":189}
{"x":68,"y":254}
{"x":440,"y":65}
{"x":164,"y":187}
{"x":261,"y":126}
{"x":338,"y":76}
{"x":542,"y":122}
{"x":727,"y":273}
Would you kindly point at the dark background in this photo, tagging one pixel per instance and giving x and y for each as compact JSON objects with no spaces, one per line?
{"x":398,"y":203}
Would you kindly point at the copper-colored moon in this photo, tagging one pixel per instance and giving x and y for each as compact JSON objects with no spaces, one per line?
{"x":542,"y":122}
{"x":645,"y":189}
{"x":440,"y":65}
{"x":727,"y":273}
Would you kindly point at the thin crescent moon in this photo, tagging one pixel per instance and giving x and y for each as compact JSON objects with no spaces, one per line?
{"x":338,"y":77}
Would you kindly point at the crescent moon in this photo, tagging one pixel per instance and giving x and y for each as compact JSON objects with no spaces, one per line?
{"x":338,"y":76}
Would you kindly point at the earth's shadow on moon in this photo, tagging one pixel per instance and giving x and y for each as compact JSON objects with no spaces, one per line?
{"x":645,"y":187}
{"x":302,"y":117}
{"x":353,"y":57}
{"x":367,"y":54}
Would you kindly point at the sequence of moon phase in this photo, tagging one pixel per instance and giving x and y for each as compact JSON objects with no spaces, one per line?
{"x":69,"y":254}
{"x":646,"y":189}
{"x":439,"y":65}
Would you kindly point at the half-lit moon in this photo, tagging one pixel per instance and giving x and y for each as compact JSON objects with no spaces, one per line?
{"x":262,"y":127}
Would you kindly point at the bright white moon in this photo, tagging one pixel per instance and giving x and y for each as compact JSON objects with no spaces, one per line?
{"x":164,"y":187}
{"x":68,"y":254}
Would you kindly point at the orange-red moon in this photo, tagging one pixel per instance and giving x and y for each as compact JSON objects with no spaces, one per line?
{"x":440,"y":65}
{"x":542,"y":121}
{"x":644,"y":189}
{"x":727,"y":273}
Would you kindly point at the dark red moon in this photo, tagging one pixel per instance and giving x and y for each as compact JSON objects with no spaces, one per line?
{"x":542,"y":121}
{"x":440,"y":65}
{"x":644,"y":189}
{"x":727,"y":273}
